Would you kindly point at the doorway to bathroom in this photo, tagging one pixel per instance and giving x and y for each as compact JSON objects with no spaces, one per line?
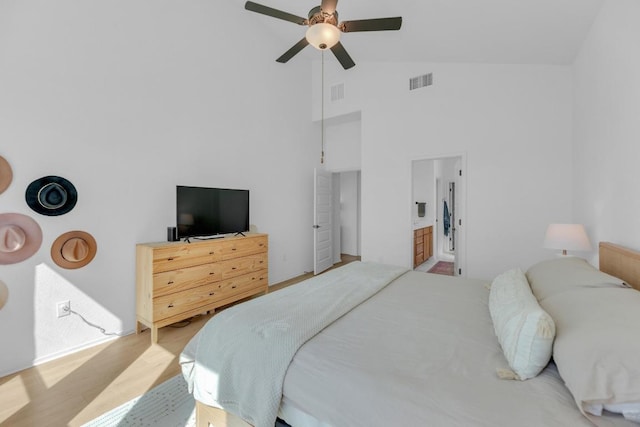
{"x":438,"y":207}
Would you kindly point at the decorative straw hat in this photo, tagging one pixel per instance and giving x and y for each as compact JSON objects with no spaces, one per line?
{"x":6,"y":174}
{"x":20,"y":237}
{"x":74,"y":249}
{"x":4,"y":294}
{"x":51,"y":195}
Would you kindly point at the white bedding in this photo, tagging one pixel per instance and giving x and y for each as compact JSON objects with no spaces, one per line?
{"x":243,"y":353}
{"x":420,"y":352}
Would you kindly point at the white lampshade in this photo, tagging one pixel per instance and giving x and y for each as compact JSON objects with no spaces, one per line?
{"x":323,"y":36}
{"x":572,"y":237}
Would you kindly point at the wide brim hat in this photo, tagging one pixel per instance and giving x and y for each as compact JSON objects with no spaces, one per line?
{"x":20,"y":237}
{"x":6,"y":174}
{"x":51,"y":195}
{"x":4,"y":294}
{"x":74,"y":249}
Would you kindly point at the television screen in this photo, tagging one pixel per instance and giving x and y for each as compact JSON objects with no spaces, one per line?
{"x":205,"y":211}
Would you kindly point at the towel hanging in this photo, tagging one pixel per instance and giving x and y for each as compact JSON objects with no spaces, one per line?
{"x":446,"y":219}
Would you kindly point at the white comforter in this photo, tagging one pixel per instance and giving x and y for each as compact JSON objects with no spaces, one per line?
{"x":421,"y":352}
{"x":243,"y":353}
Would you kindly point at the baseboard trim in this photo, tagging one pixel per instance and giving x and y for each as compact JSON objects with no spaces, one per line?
{"x":66,"y":352}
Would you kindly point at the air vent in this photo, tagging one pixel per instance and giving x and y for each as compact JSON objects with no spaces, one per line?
{"x":337,"y":92}
{"x":421,"y":81}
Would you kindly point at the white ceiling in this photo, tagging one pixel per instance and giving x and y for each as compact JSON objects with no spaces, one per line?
{"x":486,"y":31}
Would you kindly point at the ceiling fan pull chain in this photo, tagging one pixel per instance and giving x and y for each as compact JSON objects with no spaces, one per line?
{"x":322,"y":115}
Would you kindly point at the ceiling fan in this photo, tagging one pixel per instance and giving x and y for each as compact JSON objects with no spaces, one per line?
{"x":324,"y":29}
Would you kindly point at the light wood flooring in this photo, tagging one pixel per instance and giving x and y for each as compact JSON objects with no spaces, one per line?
{"x":77,"y":388}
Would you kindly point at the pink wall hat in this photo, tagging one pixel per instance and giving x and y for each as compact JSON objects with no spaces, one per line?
{"x":20,"y":237}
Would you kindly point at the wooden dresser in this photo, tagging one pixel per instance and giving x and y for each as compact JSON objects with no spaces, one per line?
{"x":177,"y":280}
{"x":422,"y":245}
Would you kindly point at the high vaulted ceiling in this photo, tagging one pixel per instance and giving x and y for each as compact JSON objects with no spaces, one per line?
{"x":485,"y":31}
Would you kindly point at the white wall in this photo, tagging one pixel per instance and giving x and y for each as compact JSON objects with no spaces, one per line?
{"x":349,"y":213}
{"x":423,"y":180}
{"x":127,"y":100}
{"x":343,"y":143}
{"x":607,"y":130}
{"x":335,"y":219}
{"x":512,"y":122}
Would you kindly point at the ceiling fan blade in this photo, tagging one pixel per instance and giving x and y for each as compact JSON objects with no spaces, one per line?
{"x":380,"y":24}
{"x":293,"y":51}
{"x":329,"y":6}
{"x":342,"y":56}
{"x":269,"y":11}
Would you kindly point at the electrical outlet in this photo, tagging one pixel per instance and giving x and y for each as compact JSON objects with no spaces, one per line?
{"x":63,"y":308}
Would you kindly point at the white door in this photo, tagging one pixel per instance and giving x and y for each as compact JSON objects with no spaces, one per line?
{"x":322,"y":227}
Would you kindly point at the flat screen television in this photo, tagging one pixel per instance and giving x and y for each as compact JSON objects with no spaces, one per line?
{"x":204,"y":212}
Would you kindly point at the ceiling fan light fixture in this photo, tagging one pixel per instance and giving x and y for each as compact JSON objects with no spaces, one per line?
{"x":323,"y":36}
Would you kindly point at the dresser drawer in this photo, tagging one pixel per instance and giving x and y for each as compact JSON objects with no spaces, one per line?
{"x":242,"y":247}
{"x":187,"y":255}
{"x":239,"y":266}
{"x":243,"y":283}
{"x":172,"y":304}
{"x":186,"y":278}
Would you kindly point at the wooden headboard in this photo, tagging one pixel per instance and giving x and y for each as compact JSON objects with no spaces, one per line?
{"x":621,"y":262}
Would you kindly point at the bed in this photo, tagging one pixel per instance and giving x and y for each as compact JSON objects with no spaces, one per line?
{"x":372,"y":345}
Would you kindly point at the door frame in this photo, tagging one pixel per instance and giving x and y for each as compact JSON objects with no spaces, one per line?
{"x":462,"y":209}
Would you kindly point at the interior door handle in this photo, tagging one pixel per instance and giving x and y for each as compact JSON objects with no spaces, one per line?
{"x":316,"y":226}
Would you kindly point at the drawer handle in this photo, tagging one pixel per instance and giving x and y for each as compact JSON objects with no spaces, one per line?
{"x":170,"y":283}
{"x":211,"y":253}
{"x":233,"y":249}
{"x":211,"y":294}
{"x":211,"y":274}
{"x":261,"y":262}
{"x":169,"y":259}
{"x":233,"y":287}
{"x":170,"y":306}
{"x":233,"y":268}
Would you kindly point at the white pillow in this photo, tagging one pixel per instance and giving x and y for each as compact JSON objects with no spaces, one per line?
{"x":525,"y":331}
{"x":630,"y":411}
{"x":597,"y":347}
{"x":563,"y":274}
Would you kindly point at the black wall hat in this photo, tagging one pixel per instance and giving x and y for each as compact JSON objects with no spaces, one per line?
{"x":51,"y":195}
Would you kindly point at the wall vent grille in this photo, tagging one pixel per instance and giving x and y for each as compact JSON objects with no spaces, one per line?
{"x":337,"y":92}
{"x":421,"y":81}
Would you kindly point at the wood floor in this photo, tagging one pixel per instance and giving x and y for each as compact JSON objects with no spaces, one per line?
{"x":77,"y":388}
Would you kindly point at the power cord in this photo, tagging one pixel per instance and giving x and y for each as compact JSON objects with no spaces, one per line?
{"x":182,"y":324}
{"x":93,"y":325}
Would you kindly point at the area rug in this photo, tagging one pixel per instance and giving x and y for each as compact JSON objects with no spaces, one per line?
{"x":166,"y":405}
{"x":442,"y":267}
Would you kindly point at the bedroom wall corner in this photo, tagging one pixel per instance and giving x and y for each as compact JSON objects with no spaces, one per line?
{"x":606,"y":130}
